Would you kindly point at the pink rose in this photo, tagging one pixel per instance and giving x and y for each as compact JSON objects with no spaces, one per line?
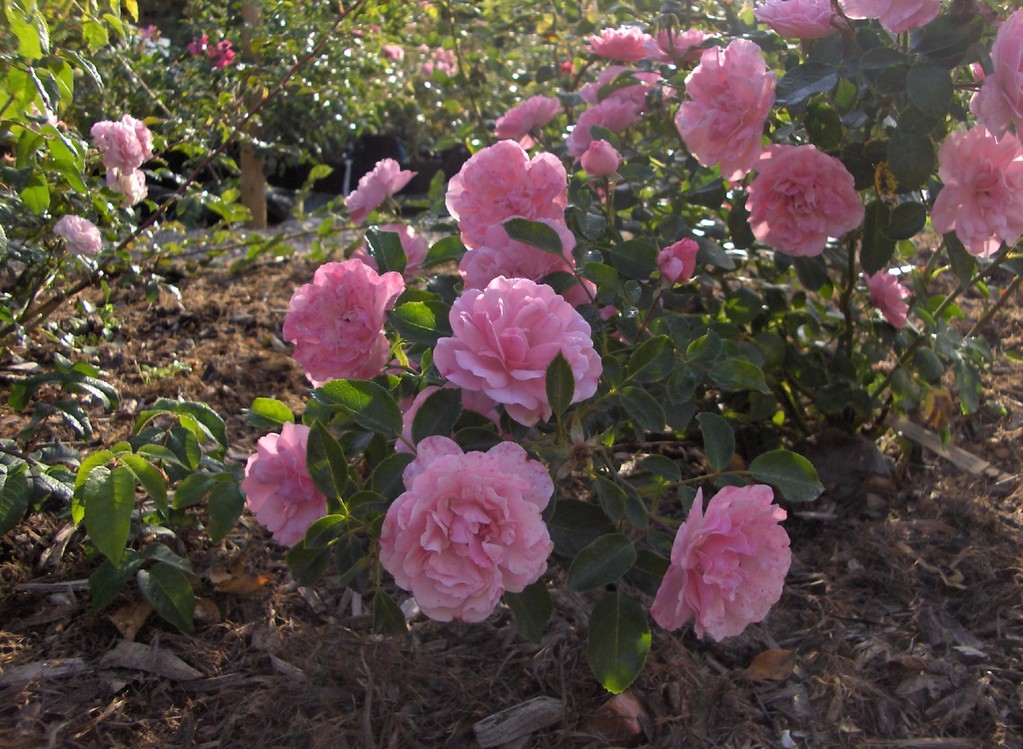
{"x":221,"y":55}
{"x":731,"y":92}
{"x":471,"y":401}
{"x":678,"y":261}
{"x":797,"y":19}
{"x":500,"y":255}
{"x":336,"y":322}
{"x":983,"y":194}
{"x":376,"y":186}
{"x":415,"y":246}
{"x":614,"y":113}
{"x":501,"y":181}
{"x":467,"y":528}
{"x":80,"y":234}
{"x":600,"y":159}
{"x":799,"y":198}
{"x":125,"y":144}
{"x":505,"y":337}
{"x":677,"y":46}
{"x":728,"y":565}
{"x":627,"y":44}
{"x":393,"y":52}
{"x":519,"y":121}
{"x":894,"y":15}
{"x":278,"y":488}
{"x":889,"y":296}
{"x":132,"y":185}
{"x":198,"y":46}
{"x":1000,"y":100}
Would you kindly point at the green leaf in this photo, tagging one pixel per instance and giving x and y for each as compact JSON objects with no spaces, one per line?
{"x":14,"y":494}
{"x":645,"y":411}
{"x":151,"y":478}
{"x":95,"y":35}
{"x":738,"y":373}
{"x":367,"y":402}
{"x":388,"y":618}
{"x":947,"y":39}
{"x":36,"y":194}
{"x":560,"y":384}
{"x":575,"y":524}
{"x":386,"y":478}
{"x":224,"y":508}
{"x":192,"y":489}
{"x":106,"y":582}
{"x":611,"y":497}
{"x":790,"y":473}
{"x":421,"y":322}
{"x":803,"y":81}
{"x":877,"y":247}
{"x":170,"y":594}
{"x":30,"y":43}
{"x":447,"y":250}
{"x":656,"y":353}
{"x":385,"y":247}
{"x":718,"y":440}
{"x":911,"y":159}
{"x":325,"y":530}
{"x":618,"y":641}
{"x":437,"y":414}
{"x":635,"y":259}
{"x":963,"y":263}
{"x":308,"y":565}
{"x":535,"y":234}
{"x":930,"y":89}
{"x":532,"y":609}
{"x":161,"y":553}
{"x":906,"y":220}
{"x":601,"y":562}
{"x":109,"y":499}
{"x":269,"y":414}
{"x":327,"y":464}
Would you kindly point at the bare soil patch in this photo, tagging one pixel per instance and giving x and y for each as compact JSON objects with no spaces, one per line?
{"x":902,"y":614}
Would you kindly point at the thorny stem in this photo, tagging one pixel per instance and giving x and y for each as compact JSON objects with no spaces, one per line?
{"x":847,"y":295}
{"x":36,"y":315}
{"x":1010,"y":289}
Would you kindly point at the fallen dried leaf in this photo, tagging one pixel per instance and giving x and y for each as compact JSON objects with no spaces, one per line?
{"x":621,"y":720}
{"x":139,"y":657}
{"x":236,"y":582}
{"x":129,"y":618}
{"x":772,"y":665}
{"x":207,"y":612}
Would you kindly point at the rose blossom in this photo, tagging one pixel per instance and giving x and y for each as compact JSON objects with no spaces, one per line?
{"x":894,"y":15}
{"x":797,"y":19}
{"x":132,"y":185}
{"x":614,"y":113}
{"x":393,"y":52}
{"x":731,"y":92}
{"x":600,"y":159}
{"x":536,"y":111}
{"x":376,"y":186}
{"x":728,"y":564}
{"x":1000,"y":100}
{"x":889,"y":296}
{"x":799,"y":198}
{"x":415,"y":247}
{"x":80,"y":234}
{"x":677,"y":46}
{"x":125,"y":144}
{"x":467,"y":528}
{"x":500,"y":255}
{"x":627,"y":44}
{"x":678,"y":261}
{"x":278,"y":488}
{"x":501,"y":181}
{"x":983,"y":194}
{"x":336,"y":322}
{"x":504,"y":338}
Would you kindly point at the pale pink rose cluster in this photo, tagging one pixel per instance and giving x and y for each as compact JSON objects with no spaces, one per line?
{"x":439,"y":59}
{"x":999,"y":103}
{"x":982,"y":197}
{"x":80,"y":234}
{"x":519,"y":121}
{"x":503,"y":339}
{"x":394,"y":52}
{"x":616,"y":112}
{"x":889,"y":296}
{"x":896,"y":16}
{"x":336,"y":322}
{"x":501,"y":181}
{"x":625,"y":44}
{"x":672,"y":45}
{"x":278,"y":488}
{"x":728,"y":564}
{"x":798,"y":19}
{"x":415,"y":246}
{"x":799,"y":198}
{"x":730,"y":95}
{"x":125,"y":145}
{"x":500,"y":255}
{"x":384,"y":180}
{"x":467,"y":528}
